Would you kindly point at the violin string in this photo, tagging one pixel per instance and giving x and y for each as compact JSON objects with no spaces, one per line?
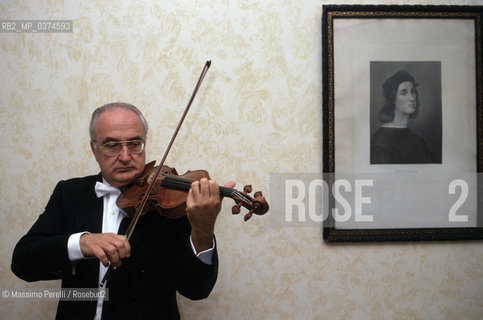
{"x":185,"y":184}
{"x":240,"y":195}
{"x":176,"y":183}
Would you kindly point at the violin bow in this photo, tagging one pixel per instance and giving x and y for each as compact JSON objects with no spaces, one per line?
{"x":141,"y":205}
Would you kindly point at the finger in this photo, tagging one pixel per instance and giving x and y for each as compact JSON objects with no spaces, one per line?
{"x":113,"y":256}
{"x":195,"y":190}
{"x":214,"y":190}
{"x":118,"y":249}
{"x":204,"y":188}
{"x":111,"y":241}
{"x":230,"y":184}
{"x":123,"y":247}
{"x":101,"y":255}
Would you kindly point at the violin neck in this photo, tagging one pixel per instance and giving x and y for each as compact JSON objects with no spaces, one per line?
{"x":175,"y":182}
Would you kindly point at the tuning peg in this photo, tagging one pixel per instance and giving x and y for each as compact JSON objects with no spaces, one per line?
{"x":236,"y":208}
{"x":248,"y":215}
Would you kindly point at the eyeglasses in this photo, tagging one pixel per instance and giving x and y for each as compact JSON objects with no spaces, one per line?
{"x":114,"y":148}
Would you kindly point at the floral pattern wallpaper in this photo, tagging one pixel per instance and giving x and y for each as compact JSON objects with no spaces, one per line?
{"x":258,"y":112}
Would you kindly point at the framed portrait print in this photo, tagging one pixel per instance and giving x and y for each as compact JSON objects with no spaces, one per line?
{"x":402,"y":122}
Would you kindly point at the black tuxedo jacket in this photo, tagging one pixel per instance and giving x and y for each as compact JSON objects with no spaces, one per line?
{"x":144,"y":287}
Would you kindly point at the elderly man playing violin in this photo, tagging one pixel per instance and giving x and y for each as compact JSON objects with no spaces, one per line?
{"x":80,"y":233}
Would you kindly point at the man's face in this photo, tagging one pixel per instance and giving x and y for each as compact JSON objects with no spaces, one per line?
{"x":405,"y":101}
{"x":114,"y":125}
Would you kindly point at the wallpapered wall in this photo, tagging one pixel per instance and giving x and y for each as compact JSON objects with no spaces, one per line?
{"x":258,"y":112}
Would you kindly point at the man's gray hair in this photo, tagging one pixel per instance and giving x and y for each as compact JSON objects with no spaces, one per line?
{"x":114,"y":105}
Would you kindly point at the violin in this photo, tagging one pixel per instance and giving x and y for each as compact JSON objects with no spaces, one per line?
{"x":168,"y":196}
{"x":161,"y":188}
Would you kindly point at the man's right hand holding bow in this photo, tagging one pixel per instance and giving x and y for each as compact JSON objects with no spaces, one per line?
{"x":107,"y":247}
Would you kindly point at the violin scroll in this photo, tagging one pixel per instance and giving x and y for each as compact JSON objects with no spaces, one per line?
{"x":256,"y":205}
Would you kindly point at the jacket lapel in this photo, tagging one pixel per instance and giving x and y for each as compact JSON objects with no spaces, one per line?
{"x":90,"y":211}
